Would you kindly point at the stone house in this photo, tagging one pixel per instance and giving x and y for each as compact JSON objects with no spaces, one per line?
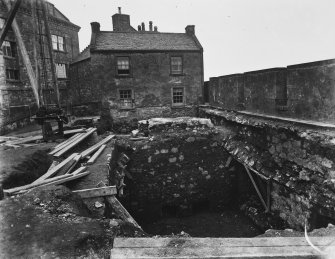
{"x":17,"y":101}
{"x":139,"y":73}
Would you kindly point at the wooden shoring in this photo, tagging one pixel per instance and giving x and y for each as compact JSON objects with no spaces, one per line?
{"x":257,"y":190}
{"x":24,"y":55}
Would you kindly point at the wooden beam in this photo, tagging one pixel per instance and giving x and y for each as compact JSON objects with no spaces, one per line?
{"x":120,"y":211}
{"x":67,"y":148}
{"x":9,"y":20}
{"x":66,"y":143}
{"x":50,"y":49}
{"x":34,"y":184}
{"x":25,"y":56}
{"x":97,"y":192}
{"x":256,"y":188}
{"x":79,"y":170}
{"x":90,"y":150}
{"x":219,"y":248}
{"x":52,"y":181}
{"x":55,"y":169}
{"x":96,"y":155}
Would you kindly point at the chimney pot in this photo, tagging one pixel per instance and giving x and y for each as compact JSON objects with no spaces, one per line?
{"x":190,"y":30}
{"x":143,"y":26}
{"x":119,"y":10}
{"x":155,"y":28}
{"x":139,"y":27}
{"x":150,"y":25}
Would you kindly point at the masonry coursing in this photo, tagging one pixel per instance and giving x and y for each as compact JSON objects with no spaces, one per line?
{"x":299,"y":162}
{"x":17,"y":100}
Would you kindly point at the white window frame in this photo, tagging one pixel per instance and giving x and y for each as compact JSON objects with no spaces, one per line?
{"x":58,"y":42}
{"x":173,"y":96}
{"x":176,"y":65}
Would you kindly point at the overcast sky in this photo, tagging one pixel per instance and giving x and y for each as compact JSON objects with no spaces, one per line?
{"x":237,"y":35}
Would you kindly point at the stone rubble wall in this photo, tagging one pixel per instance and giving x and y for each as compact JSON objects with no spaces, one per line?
{"x":300,"y":162}
{"x":179,"y":168}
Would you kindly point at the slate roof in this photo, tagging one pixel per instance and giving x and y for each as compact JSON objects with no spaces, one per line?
{"x":144,"y":41}
{"x":85,"y":54}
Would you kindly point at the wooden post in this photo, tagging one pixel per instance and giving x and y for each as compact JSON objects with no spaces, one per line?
{"x":25,"y":56}
{"x":35,"y":42}
{"x":268,"y":194}
{"x":9,"y":20}
{"x":1,"y":193}
{"x":256,"y":188}
{"x":121,"y":211}
{"x":51,"y":54}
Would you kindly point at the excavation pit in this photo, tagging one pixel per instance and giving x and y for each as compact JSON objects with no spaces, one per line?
{"x":181,"y":179}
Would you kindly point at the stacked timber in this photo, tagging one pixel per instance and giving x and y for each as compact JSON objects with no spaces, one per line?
{"x":68,"y":169}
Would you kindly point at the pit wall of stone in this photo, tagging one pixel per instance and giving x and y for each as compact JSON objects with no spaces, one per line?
{"x":299,"y":162}
{"x":303,"y":91}
{"x":180,"y":170}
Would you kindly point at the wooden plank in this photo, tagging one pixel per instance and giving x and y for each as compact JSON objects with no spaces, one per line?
{"x":227,"y":242}
{"x":33,"y":185}
{"x":79,"y":170}
{"x":59,"y":148}
{"x":25,"y":140}
{"x":9,"y":20}
{"x":67,"y":132}
{"x":66,"y":141}
{"x":67,"y":148}
{"x":96,"y":155}
{"x":217,"y":252}
{"x":97,"y":192}
{"x":90,"y":150}
{"x":121,"y":211}
{"x":24,"y":55}
{"x":55,"y":169}
{"x":69,"y":177}
{"x":68,"y":167}
{"x":256,"y":188}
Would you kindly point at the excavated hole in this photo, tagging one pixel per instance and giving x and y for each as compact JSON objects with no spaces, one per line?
{"x":160,"y":202}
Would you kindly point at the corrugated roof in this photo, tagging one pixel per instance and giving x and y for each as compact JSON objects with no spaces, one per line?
{"x":144,"y":41}
{"x":85,"y":54}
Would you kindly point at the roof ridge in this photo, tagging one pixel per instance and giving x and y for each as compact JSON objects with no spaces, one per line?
{"x":142,"y":32}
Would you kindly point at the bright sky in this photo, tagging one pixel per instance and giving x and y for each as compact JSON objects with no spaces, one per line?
{"x":237,"y":35}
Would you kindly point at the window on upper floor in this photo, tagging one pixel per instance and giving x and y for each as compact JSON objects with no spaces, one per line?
{"x":2,"y":22}
{"x":123,"y":66}
{"x":12,"y":74}
{"x":126,"y":99}
{"x":58,"y":42}
{"x":9,"y":48}
{"x":61,"y":70}
{"x":176,"y":65}
{"x":177,"y":96}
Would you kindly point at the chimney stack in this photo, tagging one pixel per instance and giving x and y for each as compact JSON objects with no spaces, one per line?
{"x":139,"y":27}
{"x":95,"y":27}
{"x":190,"y":30}
{"x":150,"y":25}
{"x":143,"y":26}
{"x":155,"y":28}
{"x":119,"y":10}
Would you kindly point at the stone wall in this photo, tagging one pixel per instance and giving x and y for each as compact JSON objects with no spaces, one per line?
{"x":311,"y":90}
{"x":177,"y":170}
{"x":299,"y":162}
{"x":303,"y":91}
{"x":150,"y":82}
{"x":17,"y":94}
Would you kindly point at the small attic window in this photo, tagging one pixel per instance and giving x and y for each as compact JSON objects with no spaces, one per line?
{"x":123,"y":66}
